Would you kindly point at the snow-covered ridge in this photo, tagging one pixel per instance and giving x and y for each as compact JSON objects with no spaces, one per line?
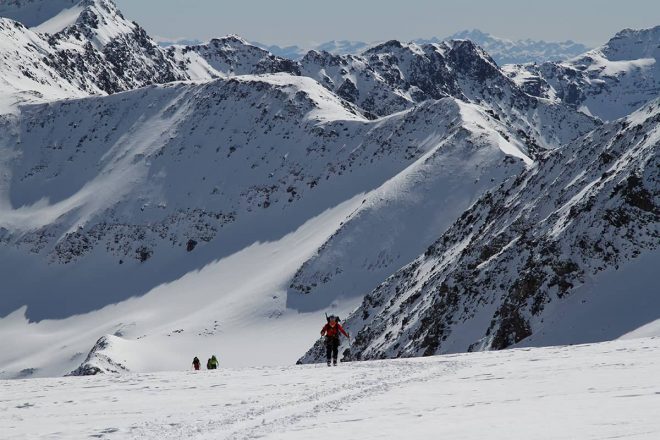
{"x":607,"y":82}
{"x":393,"y":225}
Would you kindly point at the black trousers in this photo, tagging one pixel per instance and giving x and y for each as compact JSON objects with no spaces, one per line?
{"x":331,"y":347}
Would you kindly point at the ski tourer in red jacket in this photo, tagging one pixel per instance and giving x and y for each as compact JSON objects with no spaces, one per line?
{"x":331,"y":332}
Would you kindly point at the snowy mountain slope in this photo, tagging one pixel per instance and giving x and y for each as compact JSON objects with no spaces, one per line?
{"x":86,"y":49}
{"x":467,"y":156}
{"x":120,"y":51}
{"x":125,"y":184}
{"x":590,"y":392}
{"x":609,"y":82}
{"x":25,"y":76}
{"x":177,"y":177}
{"x":98,"y":20}
{"x":77,"y":186}
{"x":516,"y":264}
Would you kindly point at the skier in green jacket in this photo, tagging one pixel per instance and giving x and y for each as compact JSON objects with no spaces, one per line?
{"x":212,"y":364}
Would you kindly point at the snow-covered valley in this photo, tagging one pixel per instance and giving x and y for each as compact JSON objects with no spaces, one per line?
{"x":588,"y":392}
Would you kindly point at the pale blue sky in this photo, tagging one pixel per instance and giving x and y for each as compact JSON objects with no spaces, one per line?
{"x":313,"y":21}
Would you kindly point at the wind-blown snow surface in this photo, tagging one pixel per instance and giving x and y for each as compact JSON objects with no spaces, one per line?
{"x":589,"y":392}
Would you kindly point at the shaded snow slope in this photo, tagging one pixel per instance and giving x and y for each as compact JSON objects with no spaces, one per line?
{"x":34,"y":12}
{"x":590,"y":392}
{"x":65,"y":18}
{"x":515,"y":267}
{"x":234,"y":307}
{"x":165,"y":171}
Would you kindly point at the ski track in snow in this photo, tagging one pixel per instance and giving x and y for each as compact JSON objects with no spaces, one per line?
{"x":595,"y":391}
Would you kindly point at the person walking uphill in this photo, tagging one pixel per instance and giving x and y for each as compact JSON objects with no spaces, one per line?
{"x":212,"y":364}
{"x":331,"y":332}
{"x":196,"y":363}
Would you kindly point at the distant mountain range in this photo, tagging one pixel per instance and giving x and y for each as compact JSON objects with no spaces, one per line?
{"x":503,"y":51}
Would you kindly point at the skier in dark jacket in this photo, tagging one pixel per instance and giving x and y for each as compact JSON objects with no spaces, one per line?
{"x":331,"y":332}
{"x":196,"y":363}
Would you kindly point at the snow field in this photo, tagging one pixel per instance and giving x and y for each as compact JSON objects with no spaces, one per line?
{"x":597,"y":391}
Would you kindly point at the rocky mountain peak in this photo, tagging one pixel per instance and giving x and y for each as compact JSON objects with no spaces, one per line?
{"x":631,"y":44}
{"x":385,"y":47}
{"x":98,"y":21}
